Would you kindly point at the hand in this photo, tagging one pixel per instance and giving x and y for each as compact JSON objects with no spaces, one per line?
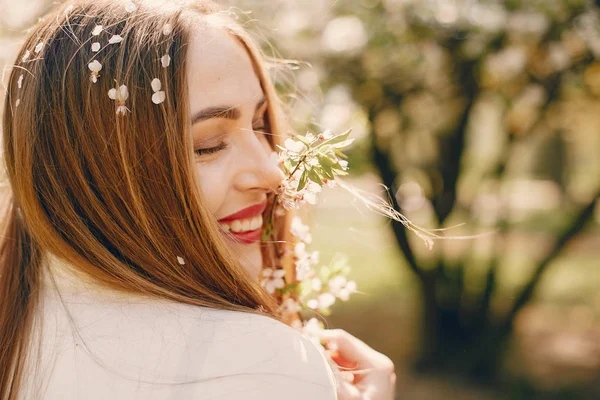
{"x":373,"y":373}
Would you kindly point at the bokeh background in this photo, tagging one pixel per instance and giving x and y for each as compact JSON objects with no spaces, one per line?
{"x":482,"y":116}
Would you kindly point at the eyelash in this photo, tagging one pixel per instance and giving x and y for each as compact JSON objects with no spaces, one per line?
{"x":211,"y":150}
{"x":223,"y":145}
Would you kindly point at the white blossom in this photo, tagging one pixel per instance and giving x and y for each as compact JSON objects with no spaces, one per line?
{"x":159,"y":97}
{"x":289,"y":306}
{"x":115,"y":39}
{"x":323,"y":301}
{"x":326,"y":135}
{"x":95,"y":66}
{"x":341,"y":288}
{"x":39,"y":47}
{"x":293,"y":145}
{"x":95,"y":47}
{"x":297,"y":324}
{"x":97,"y":30}
{"x":17,"y":102}
{"x":120,"y":95}
{"x":180,"y":260}
{"x":165,"y":60}
{"x":312,"y":328}
{"x":273,"y":279}
{"x":167,"y":29}
{"x":26,"y":56}
{"x":299,"y":230}
{"x":20,"y":82}
{"x":130,"y":7}
{"x":305,"y":261}
{"x":156,"y":85}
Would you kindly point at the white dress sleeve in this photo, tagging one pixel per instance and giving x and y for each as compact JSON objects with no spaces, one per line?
{"x":95,"y":347}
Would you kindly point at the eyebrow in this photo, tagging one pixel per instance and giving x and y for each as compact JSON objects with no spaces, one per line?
{"x":227,"y":112}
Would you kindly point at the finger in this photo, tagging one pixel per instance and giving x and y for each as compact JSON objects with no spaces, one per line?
{"x":347,"y":391}
{"x":350,"y":348}
{"x":341,"y":361}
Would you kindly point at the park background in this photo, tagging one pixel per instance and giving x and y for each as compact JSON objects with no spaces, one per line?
{"x":479,"y":115}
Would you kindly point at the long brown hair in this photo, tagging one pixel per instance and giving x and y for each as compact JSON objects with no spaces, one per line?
{"x":116,"y":196}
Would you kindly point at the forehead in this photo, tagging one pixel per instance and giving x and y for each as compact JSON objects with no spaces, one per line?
{"x":220,"y":71}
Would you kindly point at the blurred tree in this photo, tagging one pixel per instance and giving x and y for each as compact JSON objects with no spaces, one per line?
{"x":456,"y":92}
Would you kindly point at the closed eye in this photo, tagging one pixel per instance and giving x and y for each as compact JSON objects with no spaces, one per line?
{"x":211,"y":150}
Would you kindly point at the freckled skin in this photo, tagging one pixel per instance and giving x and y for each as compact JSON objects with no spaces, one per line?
{"x":220,"y":73}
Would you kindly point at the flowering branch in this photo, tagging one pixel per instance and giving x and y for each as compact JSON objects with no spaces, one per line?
{"x":308,"y":162}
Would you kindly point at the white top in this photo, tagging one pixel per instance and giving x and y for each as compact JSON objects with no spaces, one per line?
{"x":98,"y":344}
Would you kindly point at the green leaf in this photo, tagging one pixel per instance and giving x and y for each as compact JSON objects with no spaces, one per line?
{"x":336,"y":139}
{"x":340,"y":154}
{"x":325,"y":160}
{"x":343,"y":144}
{"x":291,"y":288}
{"x":328,"y":173}
{"x":302,"y":181}
{"x":314,"y":176}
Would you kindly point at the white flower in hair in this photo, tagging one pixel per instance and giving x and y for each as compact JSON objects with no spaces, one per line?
{"x":95,"y":46}
{"x":95,"y":67}
{"x":120,"y":95}
{"x":26,"y":56}
{"x":17,"y":102}
{"x":97,"y":30}
{"x":158,"y":96}
{"x":115,"y":39}
{"x":39,"y":47}
{"x":130,"y":7}
{"x":167,"y":29}
{"x":180,"y":260}
{"x":165,"y":60}
{"x":20,"y":82}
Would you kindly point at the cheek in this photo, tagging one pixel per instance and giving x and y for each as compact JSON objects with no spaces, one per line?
{"x":214,"y":184}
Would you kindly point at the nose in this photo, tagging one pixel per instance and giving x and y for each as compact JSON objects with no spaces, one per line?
{"x":257,"y":169}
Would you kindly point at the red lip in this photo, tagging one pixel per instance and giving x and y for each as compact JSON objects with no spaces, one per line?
{"x":246,"y":237}
{"x":248,"y":212}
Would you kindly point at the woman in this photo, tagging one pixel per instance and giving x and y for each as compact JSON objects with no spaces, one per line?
{"x":137,"y":140}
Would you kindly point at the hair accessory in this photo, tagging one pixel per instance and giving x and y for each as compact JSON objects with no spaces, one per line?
{"x":95,"y":67}
{"x":26,"y":56}
{"x":165,"y":60}
{"x":167,"y":29}
{"x":180,"y":260}
{"x":115,"y":39}
{"x":39,"y":47}
{"x":120,"y":95}
{"x":130,"y":7}
{"x":158,"y":96}
{"x":20,"y":82}
{"x":95,"y":47}
{"x":97,"y":30}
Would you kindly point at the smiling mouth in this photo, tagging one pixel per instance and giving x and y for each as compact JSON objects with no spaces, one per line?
{"x":245,"y":231}
{"x":242,"y":225}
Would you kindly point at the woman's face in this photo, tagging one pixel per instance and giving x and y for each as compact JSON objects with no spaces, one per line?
{"x":228,"y":110}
